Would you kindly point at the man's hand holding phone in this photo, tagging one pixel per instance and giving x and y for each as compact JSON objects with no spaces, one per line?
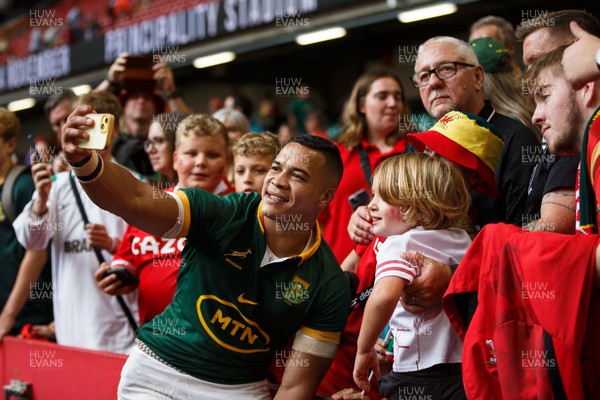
{"x":73,"y":132}
{"x":115,"y":281}
{"x":42,"y":179}
{"x":100,"y":133}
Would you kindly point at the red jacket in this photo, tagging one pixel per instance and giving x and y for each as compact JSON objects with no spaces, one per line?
{"x":526,"y":337}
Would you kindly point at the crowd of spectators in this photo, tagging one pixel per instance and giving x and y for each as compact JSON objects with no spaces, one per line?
{"x":208,"y":247}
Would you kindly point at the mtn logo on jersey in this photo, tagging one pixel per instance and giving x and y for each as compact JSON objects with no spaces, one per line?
{"x":239,"y":254}
{"x":229,"y":328}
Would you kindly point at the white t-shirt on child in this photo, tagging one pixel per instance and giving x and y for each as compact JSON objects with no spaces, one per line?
{"x":422,"y":340}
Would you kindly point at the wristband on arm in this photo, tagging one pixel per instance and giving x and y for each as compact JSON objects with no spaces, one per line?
{"x":90,"y":170}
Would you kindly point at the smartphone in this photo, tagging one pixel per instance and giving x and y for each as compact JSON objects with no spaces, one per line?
{"x":124,"y":275}
{"x":360,"y":198}
{"x":32,"y":144}
{"x":139,"y":68}
{"x":100,"y":133}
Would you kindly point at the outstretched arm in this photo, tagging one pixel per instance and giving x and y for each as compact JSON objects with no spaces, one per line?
{"x":112,"y":187}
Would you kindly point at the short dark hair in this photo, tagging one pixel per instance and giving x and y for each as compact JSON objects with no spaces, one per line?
{"x":558,"y":24}
{"x":333,"y":159}
{"x":54,"y":101}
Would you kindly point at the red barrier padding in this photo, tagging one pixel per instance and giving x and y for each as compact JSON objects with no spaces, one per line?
{"x":60,"y":372}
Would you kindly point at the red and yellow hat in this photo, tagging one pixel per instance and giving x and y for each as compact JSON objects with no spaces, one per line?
{"x":467,"y":140}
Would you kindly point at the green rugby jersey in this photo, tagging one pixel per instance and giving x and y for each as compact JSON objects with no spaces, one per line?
{"x":228,"y":316}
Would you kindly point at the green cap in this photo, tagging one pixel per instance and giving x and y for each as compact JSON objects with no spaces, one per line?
{"x":491,"y":55}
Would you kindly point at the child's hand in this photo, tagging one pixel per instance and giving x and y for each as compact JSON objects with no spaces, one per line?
{"x":362,"y":365}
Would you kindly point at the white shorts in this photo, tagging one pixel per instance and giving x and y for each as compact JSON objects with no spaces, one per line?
{"x":143,"y":377}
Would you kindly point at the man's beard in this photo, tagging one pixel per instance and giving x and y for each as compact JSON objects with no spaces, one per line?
{"x":569,"y":144}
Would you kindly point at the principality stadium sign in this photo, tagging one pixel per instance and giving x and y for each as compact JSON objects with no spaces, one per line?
{"x":201,"y":22}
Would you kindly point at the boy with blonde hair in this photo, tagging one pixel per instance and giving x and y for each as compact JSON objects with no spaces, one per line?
{"x":200,"y":156}
{"x":253,"y":155}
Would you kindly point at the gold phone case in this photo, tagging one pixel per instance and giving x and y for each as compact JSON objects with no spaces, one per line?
{"x":100,"y":133}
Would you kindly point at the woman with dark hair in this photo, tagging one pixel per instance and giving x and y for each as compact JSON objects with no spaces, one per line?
{"x":372,"y":120}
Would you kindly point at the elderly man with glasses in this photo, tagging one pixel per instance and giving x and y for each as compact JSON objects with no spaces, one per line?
{"x":449,"y":78}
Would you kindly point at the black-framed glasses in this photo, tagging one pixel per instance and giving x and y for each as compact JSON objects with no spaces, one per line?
{"x":157,"y":143}
{"x":443,"y":71}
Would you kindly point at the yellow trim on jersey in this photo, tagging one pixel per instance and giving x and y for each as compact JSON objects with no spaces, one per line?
{"x":313,"y":249}
{"x":260,"y":217}
{"x":332,"y":337}
{"x":187,"y":216}
{"x":310,"y":251}
{"x":594,"y":159}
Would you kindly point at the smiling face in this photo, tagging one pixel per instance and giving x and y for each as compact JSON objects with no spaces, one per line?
{"x":200,"y":161}
{"x":250,"y":172}
{"x":386,"y":218}
{"x":296,"y":187}
{"x":558,"y":114}
{"x":382,"y":106}
{"x":462,"y":92}
{"x":159,"y":151}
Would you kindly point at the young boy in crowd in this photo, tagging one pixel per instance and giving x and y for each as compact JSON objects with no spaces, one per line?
{"x":253,"y":155}
{"x":200,"y":157}
{"x":419,"y":203}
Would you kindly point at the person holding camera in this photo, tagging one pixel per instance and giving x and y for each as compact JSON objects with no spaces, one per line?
{"x":83,"y":315}
{"x":142,"y":83}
